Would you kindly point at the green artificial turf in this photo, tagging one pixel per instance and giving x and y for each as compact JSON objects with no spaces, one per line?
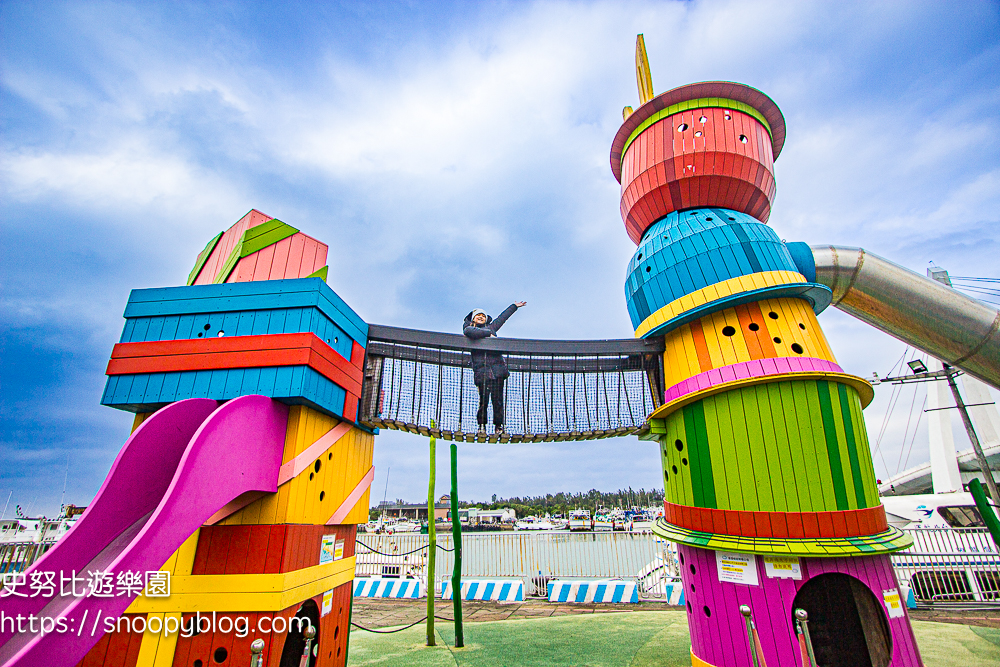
{"x":646,"y":639}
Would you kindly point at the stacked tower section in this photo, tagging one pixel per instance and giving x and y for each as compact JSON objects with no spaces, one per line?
{"x":770,"y":489}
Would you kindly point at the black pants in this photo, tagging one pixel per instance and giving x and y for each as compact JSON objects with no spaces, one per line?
{"x":490,"y":390}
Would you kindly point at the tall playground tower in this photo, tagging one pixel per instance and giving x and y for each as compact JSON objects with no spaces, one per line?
{"x":770,"y":489}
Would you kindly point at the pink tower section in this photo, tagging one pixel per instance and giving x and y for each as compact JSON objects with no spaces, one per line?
{"x":297,"y":255}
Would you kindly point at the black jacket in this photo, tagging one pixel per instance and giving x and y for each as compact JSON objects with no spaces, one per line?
{"x":487,"y":364}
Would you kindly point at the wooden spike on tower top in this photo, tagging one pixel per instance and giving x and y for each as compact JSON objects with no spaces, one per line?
{"x":642,"y":75}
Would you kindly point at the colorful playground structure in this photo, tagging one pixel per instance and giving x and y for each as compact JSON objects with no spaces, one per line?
{"x":258,"y":392}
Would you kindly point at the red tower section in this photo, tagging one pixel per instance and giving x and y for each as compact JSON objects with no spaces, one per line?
{"x":717,"y":149}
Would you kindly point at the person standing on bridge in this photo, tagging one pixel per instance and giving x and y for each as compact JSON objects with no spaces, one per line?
{"x":489,"y":370}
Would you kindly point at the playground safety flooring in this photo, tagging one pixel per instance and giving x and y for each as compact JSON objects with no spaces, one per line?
{"x":542,"y":634}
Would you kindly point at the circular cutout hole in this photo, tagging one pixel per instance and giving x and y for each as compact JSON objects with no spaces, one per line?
{"x":684,"y":461}
{"x":682,"y":127}
{"x":743,"y":139}
{"x":802,"y":326}
{"x":729,"y":116}
{"x":682,"y":559}
{"x":693,"y":590}
{"x":708,"y":612}
{"x":207,"y":327}
{"x":648,"y":269}
{"x":336,"y":632}
{"x":221,"y":333}
{"x":709,"y":219}
{"x":697,"y":133}
{"x":317,"y":465}
{"x":198,"y":663}
{"x":327,"y":341}
{"x":753,"y":326}
{"x":797,"y":349}
{"x":689,"y":607}
{"x":728,"y":331}
{"x":732,"y":218}
{"x":666,"y":476}
{"x":322,"y":495}
{"x":200,"y":334}
{"x":703,"y":120}
{"x":220,"y":654}
{"x":776,"y":340}
{"x":691,"y":567}
{"x":679,"y":445}
{"x":329,"y":457}
{"x":338,"y":651}
{"x":773,"y":315}
{"x":310,"y":477}
{"x":638,"y":257}
{"x":674,"y":468}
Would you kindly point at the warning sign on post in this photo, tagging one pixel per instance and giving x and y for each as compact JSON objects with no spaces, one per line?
{"x":737,"y":568}
{"x":782,"y":567}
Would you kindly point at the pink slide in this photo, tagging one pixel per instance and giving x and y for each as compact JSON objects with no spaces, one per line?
{"x":183,"y":463}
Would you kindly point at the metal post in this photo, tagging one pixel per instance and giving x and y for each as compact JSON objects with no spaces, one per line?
{"x":256,"y":651}
{"x":432,"y":541}
{"x":456,"y":531}
{"x":984,"y":465}
{"x":745,"y":610}
{"x":802,"y":623}
{"x":989,"y":516}
{"x":309,"y":634}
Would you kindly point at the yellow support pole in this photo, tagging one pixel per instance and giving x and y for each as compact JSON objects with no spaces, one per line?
{"x":642,"y":74}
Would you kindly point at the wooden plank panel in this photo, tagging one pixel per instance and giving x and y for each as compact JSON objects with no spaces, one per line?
{"x":756,"y":442}
{"x":781,"y":452}
{"x":714,"y":436}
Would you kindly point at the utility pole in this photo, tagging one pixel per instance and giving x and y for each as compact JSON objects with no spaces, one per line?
{"x":920,"y":374}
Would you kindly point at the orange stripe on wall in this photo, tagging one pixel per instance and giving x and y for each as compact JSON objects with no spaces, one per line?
{"x":700,"y":346}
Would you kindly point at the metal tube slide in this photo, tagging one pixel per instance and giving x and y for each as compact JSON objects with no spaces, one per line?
{"x":921,"y":312}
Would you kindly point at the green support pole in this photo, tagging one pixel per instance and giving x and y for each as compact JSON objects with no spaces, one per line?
{"x":432,"y":543}
{"x":456,"y":531}
{"x":985,"y":510}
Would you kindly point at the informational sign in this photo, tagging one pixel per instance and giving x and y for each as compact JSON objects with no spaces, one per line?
{"x":327,"y":603}
{"x":893,"y":605}
{"x":338,"y":551}
{"x":326,"y":549}
{"x":782,"y":567}
{"x":737,"y":568}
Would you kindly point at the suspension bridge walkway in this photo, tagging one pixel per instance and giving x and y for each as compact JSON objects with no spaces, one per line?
{"x":422,"y":382}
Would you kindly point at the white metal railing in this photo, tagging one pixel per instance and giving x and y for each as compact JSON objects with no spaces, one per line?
{"x":17,"y":556}
{"x":533,"y":557}
{"x":950,"y":566}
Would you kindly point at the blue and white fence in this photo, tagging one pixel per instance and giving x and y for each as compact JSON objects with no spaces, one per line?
{"x":501,"y":590}
{"x":377,"y":587}
{"x":599,"y":590}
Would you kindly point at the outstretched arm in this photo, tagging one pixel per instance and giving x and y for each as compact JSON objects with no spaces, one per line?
{"x":502,"y":317}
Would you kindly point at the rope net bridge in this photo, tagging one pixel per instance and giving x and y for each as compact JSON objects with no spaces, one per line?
{"x":422,"y":382}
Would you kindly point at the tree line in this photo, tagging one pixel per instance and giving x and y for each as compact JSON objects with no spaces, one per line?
{"x":563,"y":503}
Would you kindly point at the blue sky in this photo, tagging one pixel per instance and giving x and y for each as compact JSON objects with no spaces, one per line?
{"x":452,"y":155}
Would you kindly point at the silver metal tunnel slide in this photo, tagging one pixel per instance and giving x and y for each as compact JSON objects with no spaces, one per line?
{"x":921,"y":312}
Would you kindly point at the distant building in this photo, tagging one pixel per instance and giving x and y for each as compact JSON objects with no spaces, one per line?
{"x":415,"y":511}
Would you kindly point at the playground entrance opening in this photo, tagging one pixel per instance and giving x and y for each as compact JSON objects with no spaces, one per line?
{"x":846,"y":621}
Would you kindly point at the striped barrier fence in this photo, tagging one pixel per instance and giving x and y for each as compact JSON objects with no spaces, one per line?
{"x":674,"y":593}
{"x":595,"y":590}
{"x":502,"y":590}
{"x":377,"y":587}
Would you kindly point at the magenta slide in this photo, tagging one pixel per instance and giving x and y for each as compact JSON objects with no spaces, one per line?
{"x":182,"y":465}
